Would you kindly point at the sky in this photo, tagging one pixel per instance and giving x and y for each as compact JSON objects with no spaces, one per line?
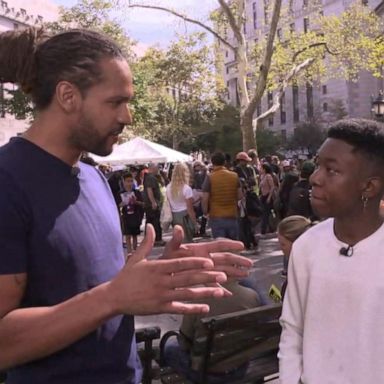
{"x":153,"y":27}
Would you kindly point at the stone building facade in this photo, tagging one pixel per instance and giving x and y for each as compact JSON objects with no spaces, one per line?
{"x":301,"y":103}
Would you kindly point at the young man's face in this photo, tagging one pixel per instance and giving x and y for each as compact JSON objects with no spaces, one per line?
{"x":338,"y":181}
{"x":104,"y":110}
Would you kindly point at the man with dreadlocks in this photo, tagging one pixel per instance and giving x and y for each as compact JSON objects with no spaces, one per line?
{"x":66,"y":298}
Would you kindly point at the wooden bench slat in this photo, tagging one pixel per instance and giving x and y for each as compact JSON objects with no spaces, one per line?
{"x":225,"y":342}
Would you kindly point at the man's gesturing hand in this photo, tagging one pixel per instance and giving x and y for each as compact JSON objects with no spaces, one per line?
{"x":163,"y":286}
{"x":219,"y":251}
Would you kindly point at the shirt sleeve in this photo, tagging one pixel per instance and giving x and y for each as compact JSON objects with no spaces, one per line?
{"x":187,"y":192}
{"x":292,"y":321}
{"x":13,"y":228}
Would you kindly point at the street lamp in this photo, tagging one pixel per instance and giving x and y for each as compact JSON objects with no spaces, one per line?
{"x":378,"y":106}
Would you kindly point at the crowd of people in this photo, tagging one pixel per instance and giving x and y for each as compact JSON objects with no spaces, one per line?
{"x":244,"y":199}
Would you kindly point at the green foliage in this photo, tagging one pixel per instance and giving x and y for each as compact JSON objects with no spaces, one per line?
{"x":225,"y":134}
{"x":18,"y":104}
{"x":176,"y":92}
{"x":96,"y":15}
{"x":338,"y":47}
{"x":354,"y":37}
{"x":268,"y":142}
{"x":341,"y":47}
{"x":307,"y":136}
{"x":337,"y":110}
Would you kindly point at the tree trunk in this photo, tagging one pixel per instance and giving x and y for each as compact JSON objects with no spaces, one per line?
{"x":175,"y":142}
{"x":249,"y":138}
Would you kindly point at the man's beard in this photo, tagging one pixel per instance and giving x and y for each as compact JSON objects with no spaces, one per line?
{"x":87,"y":139}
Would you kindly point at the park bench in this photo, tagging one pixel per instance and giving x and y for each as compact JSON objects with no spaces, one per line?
{"x":148,"y":352}
{"x":227,"y":341}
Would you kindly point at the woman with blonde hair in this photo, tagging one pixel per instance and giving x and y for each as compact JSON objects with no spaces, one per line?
{"x":180,"y":197}
{"x":289,"y":230}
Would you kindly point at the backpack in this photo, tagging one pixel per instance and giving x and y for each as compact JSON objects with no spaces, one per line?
{"x":299,"y":199}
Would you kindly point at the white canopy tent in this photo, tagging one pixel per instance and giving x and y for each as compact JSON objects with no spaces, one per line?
{"x":141,"y":151}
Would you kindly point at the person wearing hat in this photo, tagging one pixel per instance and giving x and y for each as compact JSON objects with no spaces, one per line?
{"x":244,"y":170}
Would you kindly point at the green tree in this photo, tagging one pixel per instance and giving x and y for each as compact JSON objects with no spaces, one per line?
{"x":268,"y":142}
{"x":176,"y":94}
{"x":96,"y":15}
{"x":308,"y":136}
{"x":349,"y":42}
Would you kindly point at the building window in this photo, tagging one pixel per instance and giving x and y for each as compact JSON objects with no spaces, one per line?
{"x":305,"y":3}
{"x":306,"y":24}
{"x":254,"y":13}
{"x":292,"y":27}
{"x":290,"y":5}
{"x":227,"y":91}
{"x":270,"y":103}
{"x":325,"y":107}
{"x":364,"y":2}
{"x":23,"y":12}
{"x":284,"y":136}
{"x":245,"y":27}
{"x":227,"y":70}
{"x":283,"y":115}
{"x":15,"y":26}
{"x":295,"y":103}
{"x":266,"y":6}
{"x":4,"y":5}
{"x":226,"y":53}
{"x":309,"y":91}
{"x":325,"y":90}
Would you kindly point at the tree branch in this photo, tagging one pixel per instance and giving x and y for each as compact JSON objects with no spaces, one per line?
{"x":266,"y":63}
{"x":185,"y":18}
{"x":231,"y":20}
{"x":313,"y":46}
{"x":281,"y":89}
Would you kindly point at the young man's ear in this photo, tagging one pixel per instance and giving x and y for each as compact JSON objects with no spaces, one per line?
{"x":68,"y":96}
{"x":374,"y":187}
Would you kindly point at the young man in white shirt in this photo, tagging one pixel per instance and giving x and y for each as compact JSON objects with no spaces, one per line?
{"x":333,"y":310}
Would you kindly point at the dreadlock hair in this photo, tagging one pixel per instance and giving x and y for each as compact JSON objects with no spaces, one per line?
{"x":38,"y":62}
{"x":366,"y":136}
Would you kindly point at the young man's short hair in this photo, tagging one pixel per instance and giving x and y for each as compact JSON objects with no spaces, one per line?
{"x":218,"y":159}
{"x":366,"y":136}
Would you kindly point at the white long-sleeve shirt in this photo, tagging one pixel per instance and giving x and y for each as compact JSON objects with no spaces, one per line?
{"x":333,"y":311}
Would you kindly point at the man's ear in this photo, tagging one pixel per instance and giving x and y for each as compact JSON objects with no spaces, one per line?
{"x":373,"y":187}
{"x":68,"y":96}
